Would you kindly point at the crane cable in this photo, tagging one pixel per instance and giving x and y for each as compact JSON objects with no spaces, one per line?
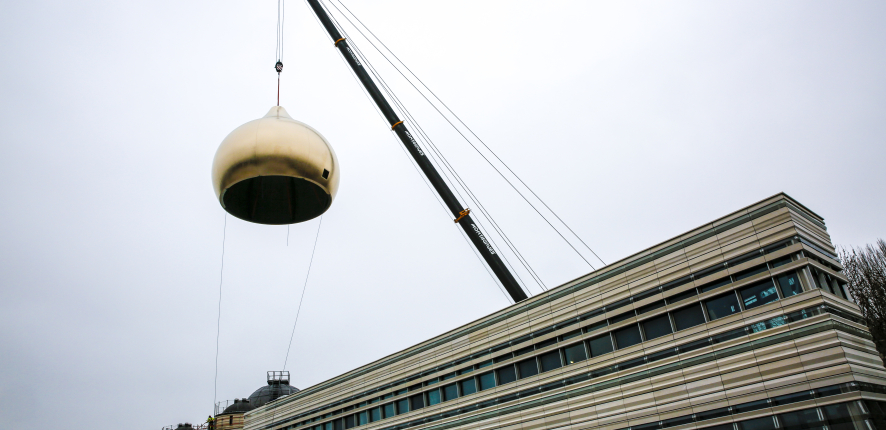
{"x":475,"y":136}
{"x":423,"y":137}
{"x":415,"y":166}
{"x":447,"y":166}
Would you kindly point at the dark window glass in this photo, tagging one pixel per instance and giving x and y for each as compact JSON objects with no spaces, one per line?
{"x":450,"y":392}
{"x":678,"y":421}
{"x":362,"y":418}
{"x":550,"y":360}
{"x":591,"y":314}
{"x":468,"y":386}
{"x":596,"y":326}
{"x":600,"y":345}
{"x":487,"y":381}
{"x":758,"y":294}
{"x":729,"y":335}
{"x":791,"y":398}
{"x":692,"y":346}
{"x":630,"y":364}
{"x":838,"y":417}
{"x":750,"y":272}
{"x":619,"y":304}
{"x":681,"y":296}
{"x":649,"y":426}
{"x":575,"y":353}
{"x":750,"y":406}
{"x":790,"y":284}
{"x":776,"y":246}
{"x":570,"y":335}
{"x":709,"y":271}
{"x":434,"y":381}
{"x":339,"y":424}
{"x":527,"y":368}
{"x":349,"y":421}
{"x":719,"y":427}
{"x":780,"y":262}
{"x":806,"y":419}
{"x":657,"y":327}
{"x":711,"y":414}
{"x":743,"y":258}
{"x":522,"y":351}
{"x":402,"y":406}
{"x":433,"y":397}
{"x":651,"y":307}
{"x":689,"y":316}
{"x":546,"y":343}
{"x":465,"y":370}
{"x":661,"y":355}
{"x":675,"y":283}
{"x":388,"y":409}
{"x":765,"y":423}
{"x":646,"y":294}
{"x":621,"y":317}
{"x":499,"y":359}
{"x":627,"y":336}
{"x":374,"y":414}
{"x":722,"y":306}
{"x":483,"y":364}
{"x":506,"y":374}
{"x":716,"y":284}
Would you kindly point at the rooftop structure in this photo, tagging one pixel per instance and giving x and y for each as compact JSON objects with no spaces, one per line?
{"x":742,"y":323}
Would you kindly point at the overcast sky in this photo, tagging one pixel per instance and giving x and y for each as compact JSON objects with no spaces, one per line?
{"x":634,"y":121}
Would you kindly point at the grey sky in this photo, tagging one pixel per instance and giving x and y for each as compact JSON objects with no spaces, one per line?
{"x":635,"y":121}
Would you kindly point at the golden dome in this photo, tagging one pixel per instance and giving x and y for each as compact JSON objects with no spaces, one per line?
{"x":275,"y":170}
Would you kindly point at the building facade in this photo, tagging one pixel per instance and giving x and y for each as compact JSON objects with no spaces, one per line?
{"x":743,"y":323}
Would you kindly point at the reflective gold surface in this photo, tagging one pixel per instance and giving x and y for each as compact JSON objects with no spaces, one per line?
{"x":271,"y":171}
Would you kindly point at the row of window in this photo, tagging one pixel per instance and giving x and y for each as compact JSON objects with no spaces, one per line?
{"x":687,"y":318}
{"x":451,"y":389}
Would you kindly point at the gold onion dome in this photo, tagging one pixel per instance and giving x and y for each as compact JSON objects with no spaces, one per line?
{"x":275,"y":170}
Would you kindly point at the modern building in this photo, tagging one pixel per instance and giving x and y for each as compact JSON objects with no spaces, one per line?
{"x":743,"y":323}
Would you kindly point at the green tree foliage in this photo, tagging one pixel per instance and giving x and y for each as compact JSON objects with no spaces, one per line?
{"x":866,"y":270}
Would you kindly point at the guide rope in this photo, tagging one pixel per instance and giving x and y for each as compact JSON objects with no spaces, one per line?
{"x":446,"y":107}
{"x":218,"y":321}
{"x":304,"y":288}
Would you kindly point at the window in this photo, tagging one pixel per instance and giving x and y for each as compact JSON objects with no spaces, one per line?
{"x":527,"y":368}
{"x":596,"y":326}
{"x":416,"y":402}
{"x":550,"y":360}
{"x":780,"y":262}
{"x":657,"y":327}
{"x":716,"y":284}
{"x":506,"y":375}
{"x":790,"y":284}
{"x":570,"y":335}
{"x":388,"y":410}
{"x":750,"y":272}
{"x":450,"y":392}
{"x":362,"y":418}
{"x":487,"y":381}
{"x":327,"y":426}
{"x":374,"y":414}
{"x":522,"y":351}
{"x":402,"y":406}
{"x":758,"y":294}
{"x":689,"y":316}
{"x":349,"y":421}
{"x":231,"y":420}
{"x":681,"y":296}
{"x":765,"y":423}
{"x":651,"y":307}
{"x":722,"y":306}
{"x":600,"y":345}
{"x":621,"y":317}
{"x":575,"y":353}
{"x":627,"y":336}
{"x":838,"y":416}
{"x":433,"y":397}
{"x":468,"y":386}
{"x":806,"y":419}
